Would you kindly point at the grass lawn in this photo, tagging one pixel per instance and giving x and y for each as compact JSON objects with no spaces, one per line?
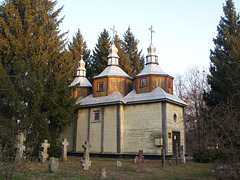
{"x":151,"y":170}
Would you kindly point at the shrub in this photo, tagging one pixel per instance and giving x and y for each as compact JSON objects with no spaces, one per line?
{"x":207,"y":155}
{"x":55,"y":150}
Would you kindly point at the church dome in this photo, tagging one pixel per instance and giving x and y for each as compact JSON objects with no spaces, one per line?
{"x":113,"y":57}
{"x":152,"y":57}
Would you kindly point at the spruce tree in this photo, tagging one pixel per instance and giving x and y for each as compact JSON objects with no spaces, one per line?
{"x":100,"y":53}
{"x":130,"y":46}
{"x":77,"y":48}
{"x":225,"y":60}
{"x":124,"y":61}
{"x":38,"y":69}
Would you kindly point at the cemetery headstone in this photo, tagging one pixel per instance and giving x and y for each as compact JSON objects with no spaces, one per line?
{"x":65,"y":143}
{"x":140,"y":161}
{"x":119,"y":163}
{"x":135,"y":160}
{"x":86,"y":163}
{"x":183,"y":159}
{"x":53,"y":164}
{"x":20,"y":146}
{"x":44,"y":155}
{"x":102,"y":173}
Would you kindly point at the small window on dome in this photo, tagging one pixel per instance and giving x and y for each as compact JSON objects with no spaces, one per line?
{"x":143,"y":82}
{"x":100,"y":86}
{"x":169,"y":84}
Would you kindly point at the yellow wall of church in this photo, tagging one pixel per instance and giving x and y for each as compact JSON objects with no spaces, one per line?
{"x":110,"y":129}
{"x":177,"y":126}
{"x":82,"y":127}
{"x":95,"y":136}
{"x":140,"y":125}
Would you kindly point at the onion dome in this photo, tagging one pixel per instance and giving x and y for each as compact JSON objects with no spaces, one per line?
{"x":113,"y":57}
{"x":81,"y":70}
{"x":152,"y":57}
{"x":113,"y":69}
{"x":80,"y":79}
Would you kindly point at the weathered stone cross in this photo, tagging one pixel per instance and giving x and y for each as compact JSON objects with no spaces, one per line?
{"x":20,"y":147}
{"x":140,"y":160}
{"x":113,"y":29}
{"x":152,"y":31}
{"x":86,"y":163}
{"x":65,"y":143}
{"x":44,"y":153}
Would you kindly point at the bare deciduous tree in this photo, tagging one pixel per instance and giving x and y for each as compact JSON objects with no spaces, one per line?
{"x":190,"y":87}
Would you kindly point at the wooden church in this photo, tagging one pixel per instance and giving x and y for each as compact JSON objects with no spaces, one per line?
{"x":119,"y":114}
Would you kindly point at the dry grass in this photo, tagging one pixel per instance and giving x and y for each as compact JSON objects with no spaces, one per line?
{"x":151,"y":170}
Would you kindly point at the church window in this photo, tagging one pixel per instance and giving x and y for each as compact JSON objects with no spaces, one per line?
{"x":143,"y":82}
{"x":129,"y":87}
{"x":96,"y":115}
{"x":100,"y":86}
{"x":175,"y":117}
{"x":169,"y":84}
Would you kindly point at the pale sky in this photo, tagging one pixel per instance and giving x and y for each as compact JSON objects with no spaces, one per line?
{"x":184,"y":29}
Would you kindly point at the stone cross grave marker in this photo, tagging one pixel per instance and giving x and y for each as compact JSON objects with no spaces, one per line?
{"x":183,"y":159}
{"x":140,"y":160}
{"x":65,"y":143}
{"x":45,"y":145}
{"x":20,"y":147}
{"x":86,"y":163}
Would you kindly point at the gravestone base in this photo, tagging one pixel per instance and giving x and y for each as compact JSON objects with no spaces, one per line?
{"x":86,"y":164}
{"x":53,"y":164}
{"x":102,"y":173}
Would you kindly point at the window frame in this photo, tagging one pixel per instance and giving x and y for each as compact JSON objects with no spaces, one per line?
{"x":141,"y":84}
{"x":99,"y":88}
{"x":175,"y":117}
{"x":95,"y":112}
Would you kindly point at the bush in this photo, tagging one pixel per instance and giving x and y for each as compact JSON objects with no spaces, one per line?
{"x":55,"y":150}
{"x":207,"y":155}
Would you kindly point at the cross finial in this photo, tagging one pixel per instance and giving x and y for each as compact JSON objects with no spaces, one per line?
{"x":152,"y":31}
{"x":113,"y":29}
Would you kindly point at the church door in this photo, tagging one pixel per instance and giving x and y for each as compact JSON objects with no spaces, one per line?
{"x":176,"y":142}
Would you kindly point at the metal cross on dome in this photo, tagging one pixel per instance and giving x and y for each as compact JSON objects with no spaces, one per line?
{"x":113,"y":29}
{"x":152,"y":31}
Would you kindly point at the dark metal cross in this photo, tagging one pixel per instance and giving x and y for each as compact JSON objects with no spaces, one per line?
{"x":113,"y":29}
{"x":152,"y":31}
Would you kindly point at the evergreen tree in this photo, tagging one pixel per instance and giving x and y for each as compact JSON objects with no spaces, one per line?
{"x":225,"y":60}
{"x":130,"y":45}
{"x":124,"y":61}
{"x":100,"y":53}
{"x":77,"y":48}
{"x":37,"y":69}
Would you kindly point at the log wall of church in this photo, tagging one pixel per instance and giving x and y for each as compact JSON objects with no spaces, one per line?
{"x":83,"y":91}
{"x":177,"y":126}
{"x":141,"y":124}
